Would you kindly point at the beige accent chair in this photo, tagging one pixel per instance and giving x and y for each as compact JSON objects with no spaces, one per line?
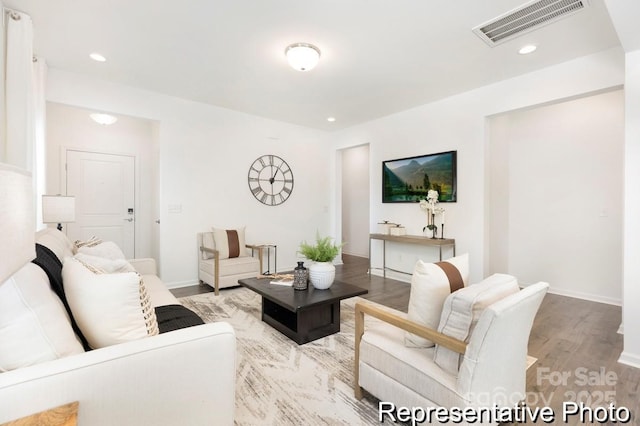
{"x":493,"y":366}
{"x":223,"y":273}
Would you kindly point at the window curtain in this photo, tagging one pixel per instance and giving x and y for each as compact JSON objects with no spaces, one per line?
{"x":25,"y":104}
{"x":19,"y":91}
{"x":40,"y":151}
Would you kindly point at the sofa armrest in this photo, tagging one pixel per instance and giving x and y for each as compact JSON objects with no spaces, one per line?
{"x":379,"y":312}
{"x":144,"y":266}
{"x":186,"y":375}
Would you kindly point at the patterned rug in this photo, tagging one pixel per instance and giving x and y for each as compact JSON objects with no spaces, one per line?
{"x":279,"y":382}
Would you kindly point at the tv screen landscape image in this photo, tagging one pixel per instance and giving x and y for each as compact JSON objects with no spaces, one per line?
{"x":407,"y":180}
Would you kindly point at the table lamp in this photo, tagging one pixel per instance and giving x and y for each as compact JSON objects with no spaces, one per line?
{"x":58,"y":209}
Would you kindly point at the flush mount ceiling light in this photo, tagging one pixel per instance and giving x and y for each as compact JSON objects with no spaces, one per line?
{"x":529,"y":48}
{"x":97,"y":57}
{"x":331,"y":119}
{"x":104,"y":119}
{"x":302,"y":56}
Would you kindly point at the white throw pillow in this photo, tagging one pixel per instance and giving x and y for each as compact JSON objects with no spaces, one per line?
{"x":431,"y":283}
{"x":107,"y":307}
{"x":34,"y":326}
{"x":461,"y":312}
{"x":107,"y":249}
{"x":55,"y":241}
{"x":229,"y":242}
{"x":91,"y":242}
{"x":104,"y":264}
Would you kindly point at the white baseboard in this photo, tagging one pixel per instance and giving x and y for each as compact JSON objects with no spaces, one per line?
{"x":392,"y":275}
{"x":586,"y":296}
{"x":559,"y":292}
{"x":630,"y":359}
{"x":365,"y":255}
{"x":179,"y":284}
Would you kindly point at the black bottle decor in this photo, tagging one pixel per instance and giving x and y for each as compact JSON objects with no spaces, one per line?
{"x":300,"y":277}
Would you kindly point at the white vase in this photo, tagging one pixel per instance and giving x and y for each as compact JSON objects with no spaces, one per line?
{"x":322,"y":274}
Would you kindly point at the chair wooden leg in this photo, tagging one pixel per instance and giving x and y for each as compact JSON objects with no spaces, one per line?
{"x":216,"y":272}
{"x":359,"y":331}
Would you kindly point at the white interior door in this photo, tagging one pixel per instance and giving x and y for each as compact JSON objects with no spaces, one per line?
{"x":103,"y":185}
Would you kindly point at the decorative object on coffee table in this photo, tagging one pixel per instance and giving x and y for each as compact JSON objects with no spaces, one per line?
{"x":321,"y":271}
{"x":300,"y":277}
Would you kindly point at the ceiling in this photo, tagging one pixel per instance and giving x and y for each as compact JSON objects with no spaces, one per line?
{"x":378,"y":56}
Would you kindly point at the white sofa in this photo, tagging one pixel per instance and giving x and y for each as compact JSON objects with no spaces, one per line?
{"x":185,"y":376}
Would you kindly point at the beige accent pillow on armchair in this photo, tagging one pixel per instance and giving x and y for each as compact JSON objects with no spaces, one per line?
{"x":431,"y":283}
{"x":229,"y":242}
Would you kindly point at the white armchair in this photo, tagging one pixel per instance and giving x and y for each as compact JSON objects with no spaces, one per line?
{"x":220,"y":272}
{"x":493,"y":366}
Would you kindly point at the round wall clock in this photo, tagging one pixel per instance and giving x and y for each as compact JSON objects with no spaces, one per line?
{"x":270,"y":180}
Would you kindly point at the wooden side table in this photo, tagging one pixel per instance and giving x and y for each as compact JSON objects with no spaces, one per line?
{"x":267,"y":247}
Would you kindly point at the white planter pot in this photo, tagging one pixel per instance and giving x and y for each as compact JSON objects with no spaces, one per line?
{"x":322,"y":274}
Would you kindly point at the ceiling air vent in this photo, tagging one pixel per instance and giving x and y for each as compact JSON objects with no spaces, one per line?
{"x":525,"y":18}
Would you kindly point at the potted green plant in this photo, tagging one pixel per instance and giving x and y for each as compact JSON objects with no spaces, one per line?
{"x":322,"y":272}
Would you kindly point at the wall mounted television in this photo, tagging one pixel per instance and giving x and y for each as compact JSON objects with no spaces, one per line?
{"x":407,"y":180}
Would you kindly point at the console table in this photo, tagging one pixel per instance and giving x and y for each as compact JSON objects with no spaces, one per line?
{"x":408,"y":239}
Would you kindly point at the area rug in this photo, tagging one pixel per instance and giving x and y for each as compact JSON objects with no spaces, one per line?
{"x":278,"y":381}
{"x":282,"y":383}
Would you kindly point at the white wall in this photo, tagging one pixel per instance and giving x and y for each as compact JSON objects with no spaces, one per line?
{"x":459,"y":123}
{"x":3,"y":129}
{"x":631,"y":313}
{"x":204,"y":156}
{"x":560,"y":215}
{"x":624,"y":15}
{"x":355,"y":200}
{"x":71,"y":128}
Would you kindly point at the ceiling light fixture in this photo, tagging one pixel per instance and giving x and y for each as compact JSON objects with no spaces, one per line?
{"x":529,"y":48}
{"x":331,"y":119}
{"x":104,"y":119}
{"x":302,"y":56}
{"x":97,"y":57}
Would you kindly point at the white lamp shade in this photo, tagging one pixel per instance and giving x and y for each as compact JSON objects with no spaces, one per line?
{"x":58,"y":209}
{"x":302,"y":56}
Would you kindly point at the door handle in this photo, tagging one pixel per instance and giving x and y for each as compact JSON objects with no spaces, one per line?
{"x":129,"y":220}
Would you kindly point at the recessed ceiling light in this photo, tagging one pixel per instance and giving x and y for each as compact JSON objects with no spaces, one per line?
{"x":97,"y":57}
{"x":104,"y":119}
{"x":529,"y":48}
{"x":331,"y":119}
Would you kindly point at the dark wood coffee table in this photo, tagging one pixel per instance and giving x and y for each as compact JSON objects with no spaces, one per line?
{"x":302,"y":315}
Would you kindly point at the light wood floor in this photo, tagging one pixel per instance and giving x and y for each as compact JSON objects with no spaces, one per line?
{"x":576,"y":343}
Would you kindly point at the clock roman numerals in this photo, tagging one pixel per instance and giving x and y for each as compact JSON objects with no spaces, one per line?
{"x":270,"y":180}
